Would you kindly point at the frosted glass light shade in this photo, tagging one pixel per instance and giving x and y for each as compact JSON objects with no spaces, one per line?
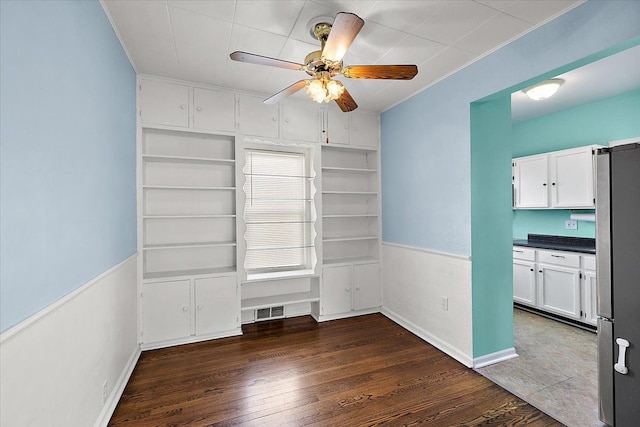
{"x":544,"y":89}
{"x":321,"y":90}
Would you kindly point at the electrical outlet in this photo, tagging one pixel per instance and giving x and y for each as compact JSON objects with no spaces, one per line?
{"x":105,"y":391}
{"x":444,"y":303}
{"x":571,"y":225}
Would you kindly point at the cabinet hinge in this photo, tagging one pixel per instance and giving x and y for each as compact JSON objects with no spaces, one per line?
{"x":140,"y":86}
{"x":580,"y":275}
{"x":594,"y":200}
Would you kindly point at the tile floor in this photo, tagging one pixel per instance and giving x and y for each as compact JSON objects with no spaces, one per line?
{"x":556,"y":370}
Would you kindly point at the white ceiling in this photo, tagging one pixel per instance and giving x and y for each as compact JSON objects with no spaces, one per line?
{"x":192,"y":39}
{"x":607,"y":77}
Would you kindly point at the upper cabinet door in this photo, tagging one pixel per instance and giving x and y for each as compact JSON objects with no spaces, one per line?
{"x":163,"y":103}
{"x":300,"y":121}
{"x":530,"y":180}
{"x":257,"y":118}
{"x":365,"y":130}
{"x":337,"y":127}
{"x":571,"y":176}
{"x":213,"y":110}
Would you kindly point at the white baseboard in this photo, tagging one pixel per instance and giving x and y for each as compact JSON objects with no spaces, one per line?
{"x":431,"y":339}
{"x":498,"y":356}
{"x":118,"y":389}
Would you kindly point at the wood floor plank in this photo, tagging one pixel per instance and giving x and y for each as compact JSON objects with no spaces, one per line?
{"x":361,"y":371}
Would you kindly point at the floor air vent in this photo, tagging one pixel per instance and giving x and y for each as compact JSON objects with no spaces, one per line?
{"x":270,"y":313}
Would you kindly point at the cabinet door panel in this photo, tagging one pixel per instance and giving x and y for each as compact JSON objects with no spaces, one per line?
{"x":257,"y":118}
{"x":559,"y":290}
{"x":336,"y":289}
{"x":166,"y":310}
{"x":213,"y":110}
{"x":337,"y":127}
{"x":524,"y":282}
{"x":571,"y":175}
{"x":300,"y":121}
{"x":530,"y":182}
{"x":366,"y":283}
{"x":216,"y":304}
{"x":365,"y":130}
{"x":164,"y":103}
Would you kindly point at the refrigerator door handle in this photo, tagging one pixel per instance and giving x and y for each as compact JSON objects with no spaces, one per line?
{"x":605,"y":373}
{"x":603,"y":235}
{"x":620,"y":366}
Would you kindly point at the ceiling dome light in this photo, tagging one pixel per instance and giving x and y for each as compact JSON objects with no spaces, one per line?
{"x":543,"y":90}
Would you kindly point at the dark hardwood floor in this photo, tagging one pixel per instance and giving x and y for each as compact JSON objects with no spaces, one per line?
{"x":361,"y":371}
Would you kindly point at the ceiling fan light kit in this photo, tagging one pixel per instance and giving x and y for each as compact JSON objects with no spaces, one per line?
{"x":543,"y":90}
{"x":335,"y":36}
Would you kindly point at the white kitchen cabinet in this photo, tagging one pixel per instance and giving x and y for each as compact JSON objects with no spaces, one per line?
{"x":213,"y":110}
{"x":571,"y":176}
{"x":530,"y":175}
{"x":559,"y":290}
{"x":300,"y":121}
{"x":190,"y":309}
{"x":524,"y":282}
{"x":257,"y":118}
{"x":216,"y":300}
{"x":347,"y":288}
{"x":559,"y":180}
{"x":163,"y":103}
{"x":365,"y":130}
{"x":166,"y":310}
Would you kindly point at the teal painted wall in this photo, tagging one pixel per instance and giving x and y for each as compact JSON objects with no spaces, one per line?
{"x":491,"y":241}
{"x":597,"y":122}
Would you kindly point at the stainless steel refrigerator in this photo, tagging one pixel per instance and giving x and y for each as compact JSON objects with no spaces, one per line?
{"x":618,"y":282}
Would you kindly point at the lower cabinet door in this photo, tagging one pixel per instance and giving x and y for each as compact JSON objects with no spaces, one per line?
{"x":166,"y":310}
{"x":336,"y":289}
{"x":524,"y":282}
{"x":216,"y":304}
{"x":559,"y":290}
{"x":366,"y":286}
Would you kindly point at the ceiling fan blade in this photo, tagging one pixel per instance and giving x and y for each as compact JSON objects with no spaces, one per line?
{"x":344,"y":30}
{"x":285,"y":92}
{"x":346,"y":102}
{"x":265,"y":60}
{"x":394,"y":72}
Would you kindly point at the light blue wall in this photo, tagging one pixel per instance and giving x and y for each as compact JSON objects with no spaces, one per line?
{"x":426,"y":153}
{"x":67,"y":153}
{"x":597,"y":122}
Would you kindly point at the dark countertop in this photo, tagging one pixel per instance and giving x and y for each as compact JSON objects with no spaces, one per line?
{"x":558,"y":243}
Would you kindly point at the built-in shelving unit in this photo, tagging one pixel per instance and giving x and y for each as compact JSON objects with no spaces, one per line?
{"x":350,"y":205}
{"x":188,"y":193}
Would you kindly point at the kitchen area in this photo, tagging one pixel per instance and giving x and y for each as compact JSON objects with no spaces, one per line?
{"x":573,"y":355}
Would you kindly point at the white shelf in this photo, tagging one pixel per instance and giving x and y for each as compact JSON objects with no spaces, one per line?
{"x":364,"y":193}
{"x":182,"y":187}
{"x":351,"y":216}
{"x":182,"y":159}
{"x":187,"y":245}
{"x":348,"y":148}
{"x":284,"y":299}
{"x":220,"y":271}
{"x":187,"y":216}
{"x":346,"y":261}
{"x":351,"y":239}
{"x":348,"y":170}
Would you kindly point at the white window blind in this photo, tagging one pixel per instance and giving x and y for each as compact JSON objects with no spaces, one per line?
{"x":278,"y":212}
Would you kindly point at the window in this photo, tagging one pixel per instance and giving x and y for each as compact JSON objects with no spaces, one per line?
{"x":279,"y":212}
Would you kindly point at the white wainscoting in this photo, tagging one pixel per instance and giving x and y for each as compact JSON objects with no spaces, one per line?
{"x":54,"y":364}
{"x":414,"y":281}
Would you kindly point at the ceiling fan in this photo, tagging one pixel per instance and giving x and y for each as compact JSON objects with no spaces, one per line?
{"x":324,"y":64}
